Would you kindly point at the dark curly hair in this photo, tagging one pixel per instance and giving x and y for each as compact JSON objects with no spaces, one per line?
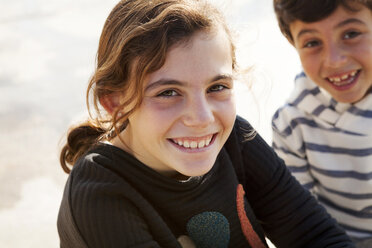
{"x":288,"y":11}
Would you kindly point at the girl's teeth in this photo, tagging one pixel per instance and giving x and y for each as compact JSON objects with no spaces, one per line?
{"x":193,"y":144}
{"x":201,"y":144}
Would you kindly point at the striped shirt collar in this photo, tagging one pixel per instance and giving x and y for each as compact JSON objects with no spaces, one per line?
{"x":317,"y":102}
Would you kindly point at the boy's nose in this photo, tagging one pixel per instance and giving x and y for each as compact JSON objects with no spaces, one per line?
{"x":198,"y":113}
{"x":334,"y":56}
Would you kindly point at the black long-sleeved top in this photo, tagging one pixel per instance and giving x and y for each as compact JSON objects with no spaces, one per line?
{"x":113,"y":200}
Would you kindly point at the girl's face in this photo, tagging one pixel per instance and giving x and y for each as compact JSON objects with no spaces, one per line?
{"x":188,"y":109}
{"x":336,"y":53}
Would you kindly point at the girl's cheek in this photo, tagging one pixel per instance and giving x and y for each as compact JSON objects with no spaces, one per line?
{"x":227,"y":102}
{"x":164,"y":106}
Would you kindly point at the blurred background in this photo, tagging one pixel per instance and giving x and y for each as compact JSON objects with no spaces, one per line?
{"x":47,"y":54}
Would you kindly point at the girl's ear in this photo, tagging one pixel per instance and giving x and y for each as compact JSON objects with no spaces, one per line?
{"x":110,"y":102}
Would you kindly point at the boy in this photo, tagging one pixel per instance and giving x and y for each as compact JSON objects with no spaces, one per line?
{"x":324,"y":131}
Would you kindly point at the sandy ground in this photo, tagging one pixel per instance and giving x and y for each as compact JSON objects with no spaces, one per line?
{"x":47,"y":52}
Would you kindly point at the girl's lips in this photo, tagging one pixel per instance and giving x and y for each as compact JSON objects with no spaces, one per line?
{"x":345,"y":81}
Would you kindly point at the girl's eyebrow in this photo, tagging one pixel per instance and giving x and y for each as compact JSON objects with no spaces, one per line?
{"x":223,"y":77}
{"x":161,"y":82}
{"x":170,"y":82}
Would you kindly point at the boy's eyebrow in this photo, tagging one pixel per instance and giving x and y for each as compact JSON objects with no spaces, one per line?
{"x":350,"y":20}
{"x":341,"y":24}
{"x":304,"y":31}
{"x":179,"y":83}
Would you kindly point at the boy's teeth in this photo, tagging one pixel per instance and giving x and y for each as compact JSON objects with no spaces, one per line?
{"x":338,"y":80}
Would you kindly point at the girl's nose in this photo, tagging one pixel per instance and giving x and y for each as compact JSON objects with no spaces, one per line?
{"x":198,"y":112}
{"x":334,"y":56}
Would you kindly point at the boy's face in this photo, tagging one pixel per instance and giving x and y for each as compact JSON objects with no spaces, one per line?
{"x":336,"y":52}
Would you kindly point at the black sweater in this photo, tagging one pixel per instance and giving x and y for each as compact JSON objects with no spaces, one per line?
{"x":113,"y":200}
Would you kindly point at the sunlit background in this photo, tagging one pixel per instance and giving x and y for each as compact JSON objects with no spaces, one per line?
{"x":47,"y":54}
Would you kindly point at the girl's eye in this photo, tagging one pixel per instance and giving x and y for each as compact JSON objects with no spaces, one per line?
{"x":351,"y":34}
{"x":168,"y":93}
{"x":312,"y":43}
{"x":217,"y":87}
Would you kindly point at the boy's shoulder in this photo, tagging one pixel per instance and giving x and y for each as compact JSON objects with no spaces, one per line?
{"x":302,"y":99}
{"x":303,"y":87}
{"x":302,"y":104}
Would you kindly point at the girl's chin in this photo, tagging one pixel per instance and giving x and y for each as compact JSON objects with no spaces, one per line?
{"x":196,"y":173}
{"x":180,"y":177}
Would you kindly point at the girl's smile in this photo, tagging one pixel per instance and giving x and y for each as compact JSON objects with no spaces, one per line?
{"x":194,"y":144}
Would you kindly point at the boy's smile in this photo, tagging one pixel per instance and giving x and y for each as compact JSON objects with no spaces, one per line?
{"x":188,"y":108}
{"x":336,"y":52}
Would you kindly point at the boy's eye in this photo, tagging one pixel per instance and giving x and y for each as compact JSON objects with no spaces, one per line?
{"x":312,"y":43}
{"x":168,"y":93}
{"x":217,"y":87}
{"x":351,"y":34}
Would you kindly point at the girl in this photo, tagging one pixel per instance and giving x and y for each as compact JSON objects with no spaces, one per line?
{"x":167,"y":163}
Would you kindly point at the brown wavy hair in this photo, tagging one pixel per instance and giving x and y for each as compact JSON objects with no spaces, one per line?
{"x":134,"y":42}
{"x":288,"y":11}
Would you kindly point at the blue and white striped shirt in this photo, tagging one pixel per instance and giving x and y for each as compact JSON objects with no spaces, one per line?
{"x":328,"y":147}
